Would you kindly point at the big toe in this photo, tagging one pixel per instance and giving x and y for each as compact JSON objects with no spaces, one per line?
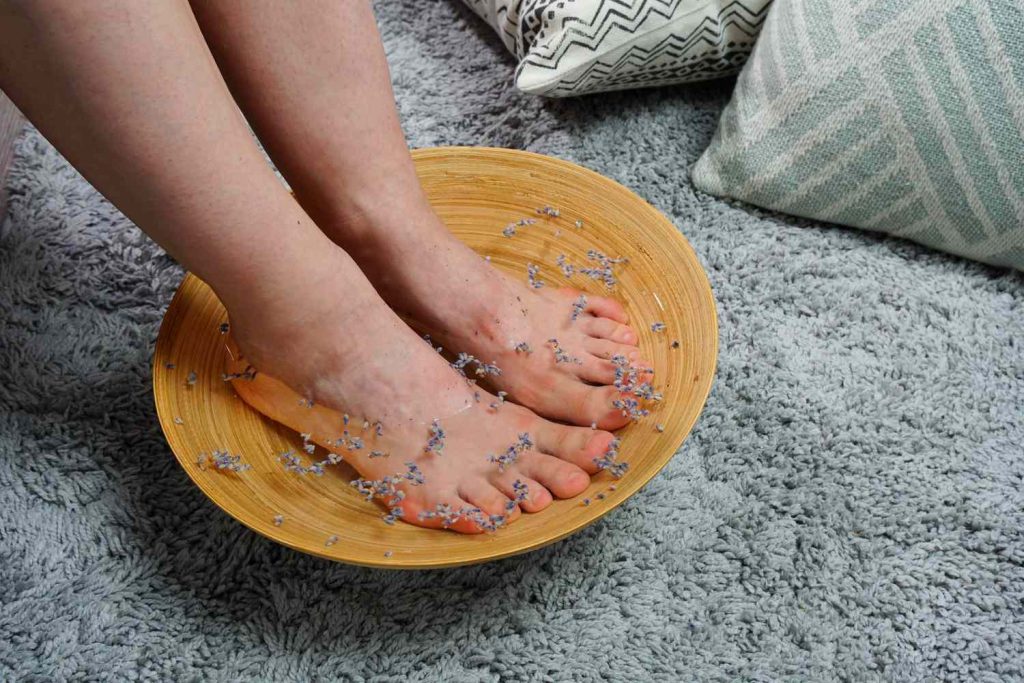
{"x":578,"y":445}
{"x":570,"y":400}
{"x":606,"y":328}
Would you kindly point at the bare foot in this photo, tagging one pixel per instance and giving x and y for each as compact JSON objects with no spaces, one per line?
{"x":554,"y":350}
{"x":347,"y":354}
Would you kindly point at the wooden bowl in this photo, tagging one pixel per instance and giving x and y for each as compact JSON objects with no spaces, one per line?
{"x":477,"y":192}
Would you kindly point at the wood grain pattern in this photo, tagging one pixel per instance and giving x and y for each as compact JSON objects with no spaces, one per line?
{"x":11,"y":123}
{"x":476,"y":191}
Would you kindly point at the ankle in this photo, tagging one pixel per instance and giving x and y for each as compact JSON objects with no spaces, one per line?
{"x":371,"y":225}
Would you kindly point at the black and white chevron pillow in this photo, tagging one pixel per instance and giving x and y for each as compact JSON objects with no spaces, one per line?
{"x":571,"y":47}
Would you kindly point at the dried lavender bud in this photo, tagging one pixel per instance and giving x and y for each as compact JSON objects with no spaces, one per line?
{"x":223,"y":460}
{"x":293,"y":463}
{"x":604,"y":271}
{"x":387,"y":488}
{"x":560,"y":355}
{"x":249,"y":374}
{"x":578,"y":306}
{"x":521,"y":491}
{"x":586,"y":501}
{"x":601,"y":496}
{"x":578,"y":223}
{"x":224,"y":327}
{"x":201,"y":461}
{"x":626,"y":377}
{"x":675,"y":343}
{"x":659,"y":427}
{"x":657,"y":327}
{"x":310,"y":448}
{"x":630,"y":407}
{"x":484,"y":369}
{"x":331,"y":540}
{"x":436,"y":441}
{"x":608,"y":460}
{"x":178,"y":421}
{"x":278,"y":520}
{"x":413,"y":474}
{"x":449,"y":517}
{"x":547,"y":210}
{"x":462,"y":361}
{"x":512,"y":453}
{"x":646,"y":392}
{"x":192,"y":379}
{"x":170,"y":366}
{"x":378,"y":454}
{"x":388,"y":553}
{"x":378,"y":428}
{"x":510,"y":230}
{"x":501,"y":400}
{"x":344,"y":419}
{"x":306,"y":402}
{"x":531,"y":275}
{"x":393,"y":515}
{"x":567,"y":268}
{"x":522,"y":347}
{"x":593,"y":425}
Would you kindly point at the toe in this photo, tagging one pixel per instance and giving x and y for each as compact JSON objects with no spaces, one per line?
{"x":537,"y":497}
{"x":570,"y":400}
{"x":578,"y":445}
{"x":561,"y":478}
{"x":414,"y":513}
{"x":596,"y":370}
{"x":488,"y":498}
{"x":606,"y":328}
{"x":603,"y":348}
{"x":599,"y":306}
{"x":603,"y":307}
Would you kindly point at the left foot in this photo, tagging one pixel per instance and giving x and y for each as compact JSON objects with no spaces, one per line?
{"x":469,"y":306}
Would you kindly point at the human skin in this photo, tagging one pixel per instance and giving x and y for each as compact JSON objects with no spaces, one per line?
{"x":130,"y":93}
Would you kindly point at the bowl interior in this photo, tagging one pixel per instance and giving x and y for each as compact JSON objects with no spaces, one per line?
{"x":477,"y":192}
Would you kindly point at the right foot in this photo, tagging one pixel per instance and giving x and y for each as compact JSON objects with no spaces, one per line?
{"x":351,"y":355}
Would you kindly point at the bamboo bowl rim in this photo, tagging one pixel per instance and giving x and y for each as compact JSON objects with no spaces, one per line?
{"x":476,"y":191}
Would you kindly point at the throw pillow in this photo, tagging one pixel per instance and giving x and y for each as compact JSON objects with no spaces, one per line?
{"x":571,"y":47}
{"x":900,"y":116}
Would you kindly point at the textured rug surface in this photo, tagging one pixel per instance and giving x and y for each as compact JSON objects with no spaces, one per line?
{"x":849,"y":507}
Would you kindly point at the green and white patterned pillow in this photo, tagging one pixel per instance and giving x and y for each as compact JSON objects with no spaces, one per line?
{"x":571,"y":47}
{"x":901,"y":116}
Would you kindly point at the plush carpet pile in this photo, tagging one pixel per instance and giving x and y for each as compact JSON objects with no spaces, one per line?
{"x":849,"y":507}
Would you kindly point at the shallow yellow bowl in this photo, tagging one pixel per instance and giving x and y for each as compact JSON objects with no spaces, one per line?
{"x":477,"y":192}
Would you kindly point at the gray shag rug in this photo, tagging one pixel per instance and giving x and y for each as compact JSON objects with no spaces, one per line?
{"x":849,"y":507}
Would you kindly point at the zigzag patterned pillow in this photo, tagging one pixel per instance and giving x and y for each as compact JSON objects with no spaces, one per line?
{"x":571,"y":47}
{"x":902,"y":116}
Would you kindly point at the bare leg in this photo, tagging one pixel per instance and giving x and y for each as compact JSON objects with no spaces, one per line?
{"x":129,"y":92}
{"x":313,"y":80}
